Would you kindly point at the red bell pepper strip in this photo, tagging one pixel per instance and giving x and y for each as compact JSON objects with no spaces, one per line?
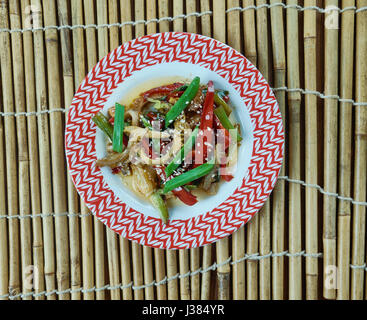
{"x":204,"y":146}
{"x":162,"y":90}
{"x":184,"y":195}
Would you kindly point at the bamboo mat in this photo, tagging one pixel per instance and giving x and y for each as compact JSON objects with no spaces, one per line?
{"x":307,"y":242}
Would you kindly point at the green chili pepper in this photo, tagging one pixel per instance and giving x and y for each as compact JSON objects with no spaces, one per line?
{"x":188,"y":176}
{"x":102,"y":123}
{"x":220,"y":102}
{"x":180,"y":156}
{"x":118,"y":128}
{"x":227,"y":124}
{"x":159,"y":203}
{"x":183,"y":102}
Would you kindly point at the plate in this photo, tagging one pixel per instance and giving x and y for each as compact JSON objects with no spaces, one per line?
{"x":142,"y":62}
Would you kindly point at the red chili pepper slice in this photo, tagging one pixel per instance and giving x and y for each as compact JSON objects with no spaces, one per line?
{"x":163,"y":90}
{"x":184,"y":195}
{"x":204,"y":144}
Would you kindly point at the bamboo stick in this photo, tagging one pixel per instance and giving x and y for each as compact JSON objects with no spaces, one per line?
{"x":75,"y":274}
{"x":147,"y":251}
{"x":137,"y":270}
{"x":191,"y":25}
{"x":112,"y":245}
{"x":206,"y":276}
{"x":279,"y":66}
{"x":163,"y":13}
{"x":330,"y":147}
{"x":249,"y":33}
{"x":309,"y":36}
{"x":37,"y":243}
{"x":4,"y":268}
{"x":345,"y":142}
{"x":178,"y":24}
{"x":360,"y":155}
{"x":294,"y":106}
{"x":238,"y":238}
{"x":113,"y":18}
{"x":148,"y":272}
{"x":205,"y":19}
{"x":264,"y":214}
{"x":253,"y":226}
{"x":224,"y":270}
{"x":139,"y":15}
{"x":99,"y":241}
{"x":184,"y":267}
{"x":23,"y":158}
{"x":80,"y":71}
{"x":207,"y":250}
{"x":195,"y":278}
{"x":151,"y":14}
{"x":124,"y":243}
{"x":44,"y":150}
{"x":57,"y":150}
{"x":10,"y":153}
{"x":160,"y":273}
{"x":126,"y":30}
{"x":172,"y":285}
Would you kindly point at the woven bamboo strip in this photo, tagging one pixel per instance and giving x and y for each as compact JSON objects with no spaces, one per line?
{"x":23,"y":158}
{"x":195,"y":278}
{"x":330,"y":147}
{"x":252,"y":230}
{"x":139,"y":15}
{"x":4,"y":268}
{"x":127,"y":294}
{"x":172,"y":285}
{"x":10,"y":152}
{"x":178,"y":10}
{"x":57,"y":150}
{"x":111,"y":238}
{"x":160,"y":269}
{"x":75,"y":273}
{"x":37,"y":243}
{"x":207,"y":250}
{"x":163,"y":11}
{"x":345,"y":143}
{"x":279,"y":66}
{"x":249,"y":38}
{"x":184,"y":267}
{"x":113,"y":17}
{"x":147,"y":251}
{"x":126,"y":30}
{"x":238,"y":238}
{"x":360,"y":155}
{"x":160,"y":273}
{"x":44,"y":150}
{"x":89,"y":278}
{"x":137,"y":269}
{"x":264,"y":214}
{"x":191,"y":22}
{"x":294,"y":106}
{"x":205,"y":19}
{"x":223,"y":271}
{"x":309,"y":36}
{"x":80,"y":71}
{"x":151,"y":14}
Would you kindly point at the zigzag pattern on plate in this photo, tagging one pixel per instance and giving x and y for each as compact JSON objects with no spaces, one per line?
{"x":264,"y":166}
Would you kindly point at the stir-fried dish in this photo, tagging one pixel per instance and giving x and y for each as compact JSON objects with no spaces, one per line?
{"x":172,"y":141}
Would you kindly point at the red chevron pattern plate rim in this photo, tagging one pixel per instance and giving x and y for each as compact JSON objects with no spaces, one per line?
{"x":247,"y":198}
